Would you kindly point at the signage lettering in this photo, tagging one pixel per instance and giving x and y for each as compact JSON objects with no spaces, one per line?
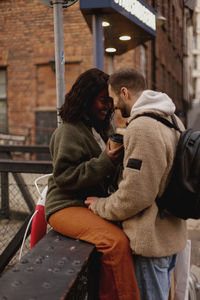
{"x":138,"y":10}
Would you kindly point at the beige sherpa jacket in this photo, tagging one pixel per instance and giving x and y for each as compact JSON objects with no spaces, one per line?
{"x":149,"y":153}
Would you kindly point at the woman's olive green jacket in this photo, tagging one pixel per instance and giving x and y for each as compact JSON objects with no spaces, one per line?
{"x":80,"y":168}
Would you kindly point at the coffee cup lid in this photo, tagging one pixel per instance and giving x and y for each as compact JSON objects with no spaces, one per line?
{"x":118,"y":138}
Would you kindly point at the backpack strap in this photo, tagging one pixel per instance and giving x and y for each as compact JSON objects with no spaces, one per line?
{"x":174,"y":123}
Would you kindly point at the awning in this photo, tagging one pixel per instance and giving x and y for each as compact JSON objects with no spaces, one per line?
{"x":134,"y":18}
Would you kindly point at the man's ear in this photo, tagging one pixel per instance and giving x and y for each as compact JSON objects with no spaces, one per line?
{"x":125,"y":92}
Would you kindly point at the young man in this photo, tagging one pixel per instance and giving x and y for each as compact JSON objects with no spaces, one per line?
{"x":149,"y":150}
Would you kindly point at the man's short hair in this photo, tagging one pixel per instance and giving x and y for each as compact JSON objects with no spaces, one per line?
{"x":129,"y":78}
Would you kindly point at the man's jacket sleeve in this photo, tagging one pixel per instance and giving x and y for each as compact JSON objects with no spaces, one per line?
{"x":145,"y":162}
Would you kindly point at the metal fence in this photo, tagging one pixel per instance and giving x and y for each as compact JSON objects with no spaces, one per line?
{"x":18,"y":196}
{"x":18,"y":211}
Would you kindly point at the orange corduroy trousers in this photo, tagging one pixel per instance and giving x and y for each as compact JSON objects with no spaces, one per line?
{"x":117,"y":276}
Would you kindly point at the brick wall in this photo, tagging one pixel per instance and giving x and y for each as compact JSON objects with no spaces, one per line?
{"x":27,"y":46}
{"x":169,"y":52}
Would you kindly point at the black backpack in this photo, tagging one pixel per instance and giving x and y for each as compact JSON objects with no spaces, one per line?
{"x":182,"y":195}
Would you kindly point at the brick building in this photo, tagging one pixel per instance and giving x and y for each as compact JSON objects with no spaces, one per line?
{"x":27,"y":76}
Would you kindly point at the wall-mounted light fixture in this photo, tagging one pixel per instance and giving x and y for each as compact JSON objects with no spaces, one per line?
{"x":160,"y":19}
{"x":125,"y":38}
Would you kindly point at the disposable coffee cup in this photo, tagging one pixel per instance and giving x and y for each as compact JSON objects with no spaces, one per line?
{"x":116,"y":140}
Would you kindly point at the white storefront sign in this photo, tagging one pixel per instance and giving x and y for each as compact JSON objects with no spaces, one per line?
{"x":137,"y":9}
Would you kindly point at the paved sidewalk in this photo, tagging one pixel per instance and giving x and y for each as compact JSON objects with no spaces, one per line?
{"x":193,"y":117}
{"x":194,"y":236}
{"x":194,"y":225}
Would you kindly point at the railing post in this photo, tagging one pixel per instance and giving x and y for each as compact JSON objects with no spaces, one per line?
{"x":24,"y":190}
{"x":4,"y":212}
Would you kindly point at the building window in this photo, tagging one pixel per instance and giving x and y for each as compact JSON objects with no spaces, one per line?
{"x":45,"y":124}
{"x":173,"y":26}
{"x":163,"y":8}
{"x":3,"y":102}
{"x":176,"y":32}
{"x":174,"y":89}
{"x":143,"y":60}
{"x":169,"y":20}
{"x":163,"y":78}
{"x":195,"y":42}
{"x":164,"y":13}
{"x":195,"y":61}
{"x":168,"y":83}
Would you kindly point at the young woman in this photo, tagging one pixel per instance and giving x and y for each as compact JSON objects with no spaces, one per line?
{"x":83,"y":167}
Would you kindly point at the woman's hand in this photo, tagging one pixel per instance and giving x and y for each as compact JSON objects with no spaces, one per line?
{"x":90,"y":202}
{"x":116,"y":155}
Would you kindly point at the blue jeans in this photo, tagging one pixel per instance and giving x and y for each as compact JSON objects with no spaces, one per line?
{"x":154,"y":276}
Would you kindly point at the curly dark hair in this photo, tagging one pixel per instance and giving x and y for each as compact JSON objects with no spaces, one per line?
{"x":79,"y":99}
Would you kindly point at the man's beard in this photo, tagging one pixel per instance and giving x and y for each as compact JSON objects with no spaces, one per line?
{"x":125,"y":113}
{"x":123,"y":108}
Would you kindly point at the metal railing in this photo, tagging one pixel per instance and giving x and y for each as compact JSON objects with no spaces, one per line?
{"x":18,"y":197}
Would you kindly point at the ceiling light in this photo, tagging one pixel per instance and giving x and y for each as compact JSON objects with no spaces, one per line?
{"x":111,"y":50}
{"x":125,"y":38}
{"x":105,"y":24}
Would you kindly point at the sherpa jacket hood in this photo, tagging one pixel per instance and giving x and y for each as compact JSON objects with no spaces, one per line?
{"x":151,"y":100}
